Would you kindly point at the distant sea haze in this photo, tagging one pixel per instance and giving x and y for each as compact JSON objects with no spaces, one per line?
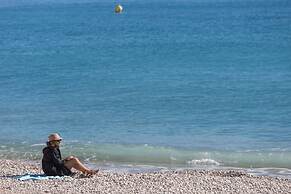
{"x":12,"y":3}
{"x":165,"y":83}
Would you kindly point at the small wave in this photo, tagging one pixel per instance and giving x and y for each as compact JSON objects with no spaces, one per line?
{"x":37,"y":144}
{"x":173,"y":158}
{"x":204,"y":162}
{"x":275,"y":172}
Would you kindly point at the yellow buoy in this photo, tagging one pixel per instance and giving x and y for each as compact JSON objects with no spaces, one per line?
{"x":118,"y":9}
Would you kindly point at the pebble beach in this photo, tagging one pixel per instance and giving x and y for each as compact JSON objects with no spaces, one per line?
{"x":180,"y":181}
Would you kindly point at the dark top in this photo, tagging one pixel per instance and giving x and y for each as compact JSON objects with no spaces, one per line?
{"x":52,"y":163}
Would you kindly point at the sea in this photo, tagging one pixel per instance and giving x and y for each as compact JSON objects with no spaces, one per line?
{"x":166,"y":84}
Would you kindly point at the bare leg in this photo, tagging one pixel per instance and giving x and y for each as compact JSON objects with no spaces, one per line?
{"x":75,"y":163}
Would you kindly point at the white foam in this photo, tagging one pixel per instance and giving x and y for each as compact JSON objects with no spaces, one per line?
{"x":204,"y":162}
{"x":275,"y":172}
{"x":37,"y":144}
{"x":173,"y":158}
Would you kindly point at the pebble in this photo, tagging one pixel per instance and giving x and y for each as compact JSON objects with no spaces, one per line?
{"x":183,"y":181}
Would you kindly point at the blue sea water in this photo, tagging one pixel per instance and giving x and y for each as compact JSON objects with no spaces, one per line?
{"x":176,"y":83}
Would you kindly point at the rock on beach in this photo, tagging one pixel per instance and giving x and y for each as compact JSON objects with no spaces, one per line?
{"x":185,"y":181}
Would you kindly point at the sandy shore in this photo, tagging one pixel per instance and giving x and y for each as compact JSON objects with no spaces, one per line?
{"x":186,"y":181}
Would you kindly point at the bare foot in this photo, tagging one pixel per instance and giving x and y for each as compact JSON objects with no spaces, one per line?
{"x":92,"y":172}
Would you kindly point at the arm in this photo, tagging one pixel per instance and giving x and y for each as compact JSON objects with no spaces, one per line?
{"x":69,"y":158}
{"x":56,"y":159}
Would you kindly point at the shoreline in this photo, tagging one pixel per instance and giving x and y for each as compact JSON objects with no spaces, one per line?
{"x":168,"y":181}
{"x":114,"y":167}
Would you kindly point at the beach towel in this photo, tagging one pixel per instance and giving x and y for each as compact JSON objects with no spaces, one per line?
{"x":36,"y":177}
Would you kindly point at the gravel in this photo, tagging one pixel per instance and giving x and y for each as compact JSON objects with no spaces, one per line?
{"x":184,"y":181}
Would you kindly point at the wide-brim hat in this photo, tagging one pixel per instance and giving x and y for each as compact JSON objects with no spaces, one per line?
{"x":54,"y":137}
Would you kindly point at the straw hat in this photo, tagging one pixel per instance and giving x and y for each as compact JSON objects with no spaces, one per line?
{"x":54,"y":137}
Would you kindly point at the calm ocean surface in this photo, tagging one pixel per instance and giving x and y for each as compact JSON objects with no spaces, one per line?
{"x":177,"y":83}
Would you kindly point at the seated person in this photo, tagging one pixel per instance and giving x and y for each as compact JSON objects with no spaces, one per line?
{"x":52,"y":163}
